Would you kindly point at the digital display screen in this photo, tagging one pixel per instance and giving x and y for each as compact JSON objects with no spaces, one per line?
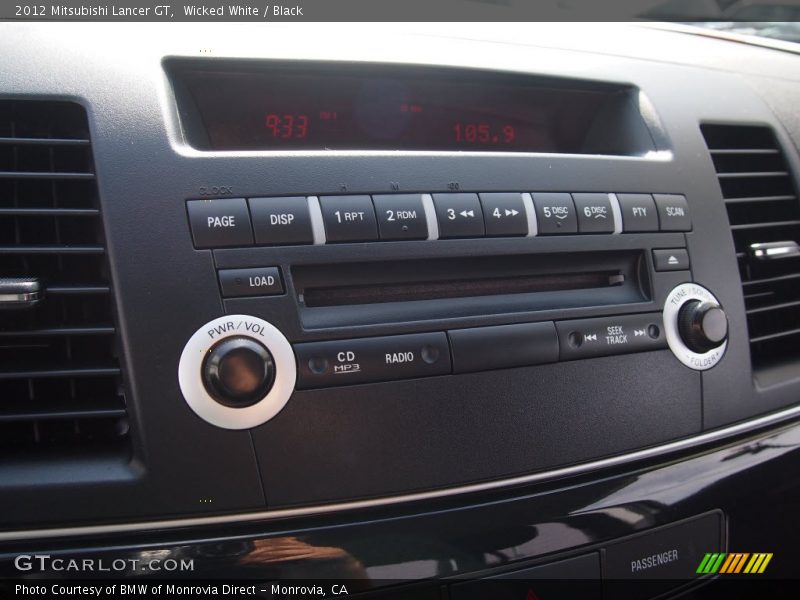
{"x":340,"y":109}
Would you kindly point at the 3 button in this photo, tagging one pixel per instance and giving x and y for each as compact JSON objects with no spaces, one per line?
{"x":348,"y":218}
{"x":220,"y":223}
{"x":555,"y":213}
{"x":281,"y":220}
{"x":459,"y":215}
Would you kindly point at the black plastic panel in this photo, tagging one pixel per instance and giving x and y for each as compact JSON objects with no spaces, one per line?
{"x":376,"y":439}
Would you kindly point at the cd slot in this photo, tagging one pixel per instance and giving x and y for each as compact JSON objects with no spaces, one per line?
{"x":363,"y":293}
{"x":463,"y":288}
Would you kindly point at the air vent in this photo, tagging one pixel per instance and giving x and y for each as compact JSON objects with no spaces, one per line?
{"x":764,"y":216}
{"x":60,"y":383}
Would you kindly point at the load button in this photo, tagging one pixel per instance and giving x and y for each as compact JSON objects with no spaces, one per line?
{"x":346,"y":362}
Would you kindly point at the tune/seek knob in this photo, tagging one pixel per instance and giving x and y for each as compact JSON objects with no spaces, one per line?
{"x":696,"y":326}
{"x":702,"y":325}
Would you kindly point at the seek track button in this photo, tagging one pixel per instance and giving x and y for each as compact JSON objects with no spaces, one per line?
{"x":622,"y":334}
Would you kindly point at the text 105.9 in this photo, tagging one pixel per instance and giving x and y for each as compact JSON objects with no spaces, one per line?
{"x":483,"y":133}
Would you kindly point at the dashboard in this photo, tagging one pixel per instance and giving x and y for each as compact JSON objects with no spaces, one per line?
{"x":408,"y":307}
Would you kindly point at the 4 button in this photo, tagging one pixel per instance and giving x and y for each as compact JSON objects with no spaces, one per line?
{"x":504,"y":214}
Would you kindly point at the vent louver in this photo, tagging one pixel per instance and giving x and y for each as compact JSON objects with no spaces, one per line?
{"x":60,"y":384}
{"x":762,"y":204}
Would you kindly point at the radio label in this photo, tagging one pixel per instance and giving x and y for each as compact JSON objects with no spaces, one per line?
{"x":399,"y":358}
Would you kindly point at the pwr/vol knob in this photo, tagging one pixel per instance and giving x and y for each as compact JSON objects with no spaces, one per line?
{"x":237,"y":371}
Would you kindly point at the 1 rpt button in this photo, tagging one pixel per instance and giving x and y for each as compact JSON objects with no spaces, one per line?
{"x":220,"y":223}
{"x":348,"y":218}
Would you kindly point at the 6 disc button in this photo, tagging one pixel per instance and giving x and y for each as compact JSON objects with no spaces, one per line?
{"x":594,"y":213}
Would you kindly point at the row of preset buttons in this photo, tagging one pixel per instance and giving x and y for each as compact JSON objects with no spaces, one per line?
{"x":293,"y":220}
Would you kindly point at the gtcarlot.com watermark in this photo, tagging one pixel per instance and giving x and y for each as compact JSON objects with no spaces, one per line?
{"x":44,"y":563}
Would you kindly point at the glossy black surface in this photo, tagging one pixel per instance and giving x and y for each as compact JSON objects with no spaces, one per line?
{"x":749,"y":481}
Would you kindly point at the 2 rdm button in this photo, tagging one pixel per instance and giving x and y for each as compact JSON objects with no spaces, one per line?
{"x":345,"y":362}
{"x":400,"y":217}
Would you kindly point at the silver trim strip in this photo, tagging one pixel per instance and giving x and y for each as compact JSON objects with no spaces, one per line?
{"x":617,"y":212}
{"x":684,"y":444}
{"x":430,"y":216}
{"x":775,"y":250}
{"x":530,"y":214}
{"x":317,"y":224}
{"x":24,"y":298}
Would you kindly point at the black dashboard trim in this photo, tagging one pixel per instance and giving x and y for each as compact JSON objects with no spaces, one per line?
{"x":719,"y":435}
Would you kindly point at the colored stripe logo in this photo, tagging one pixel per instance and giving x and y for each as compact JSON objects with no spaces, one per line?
{"x":734,"y":562}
